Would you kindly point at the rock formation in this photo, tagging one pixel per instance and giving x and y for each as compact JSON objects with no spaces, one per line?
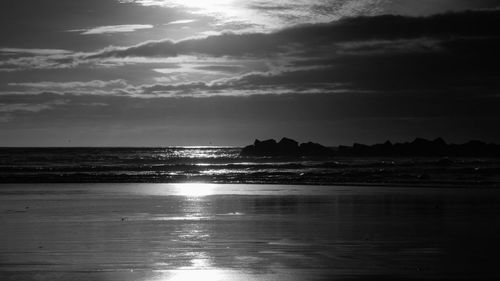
{"x":418,"y":148}
{"x":285,"y":147}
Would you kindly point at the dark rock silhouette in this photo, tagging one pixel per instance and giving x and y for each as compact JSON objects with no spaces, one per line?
{"x":288,"y":146}
{"x":422,"y":148}
{"x":314,"y":149}
{"x":285,"y":147}
{"x":261,"y":148}
{"x":417,"y":148}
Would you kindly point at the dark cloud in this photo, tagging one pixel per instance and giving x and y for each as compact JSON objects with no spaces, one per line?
{"x":426,"y":7}
{"x":460,"y":67}
{"x":475,"y":24}
{"x":454,"y":52}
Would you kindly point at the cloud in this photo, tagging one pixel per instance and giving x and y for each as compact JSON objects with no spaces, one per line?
{"x":307,"y":38}
{"x":113,"y":29}
{"x":42,"y":61}
{"x":18,"y":51}
{"x":221,"y":68}
{"x":180,"y":22}
{"x":30,"y":107}
{"x":454,"y":53}
{"x":75,"y":85}
{"x":272,"y":15}
{"x":326,"y":40}
{"x":254,"y":83}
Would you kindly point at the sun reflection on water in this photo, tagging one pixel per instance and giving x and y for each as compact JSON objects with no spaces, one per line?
{"x":198,"y":274}
{"x":200,"y":264}
{"x":201,"y":268}
{"x":194,"y":189}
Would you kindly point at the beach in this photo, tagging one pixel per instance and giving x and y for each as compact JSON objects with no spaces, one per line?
{"x":257,"y":140}
{"x":247,"y":232}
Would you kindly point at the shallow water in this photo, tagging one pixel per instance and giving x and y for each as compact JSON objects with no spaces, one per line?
{"x":247,"y":232}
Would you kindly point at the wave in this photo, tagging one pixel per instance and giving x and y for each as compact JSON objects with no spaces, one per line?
{"x":224,"y":165}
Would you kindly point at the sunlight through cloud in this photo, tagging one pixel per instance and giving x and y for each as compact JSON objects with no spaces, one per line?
{"x":268,"y":15}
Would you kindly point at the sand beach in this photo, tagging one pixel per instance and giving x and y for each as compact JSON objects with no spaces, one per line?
{"x":246,"y":232}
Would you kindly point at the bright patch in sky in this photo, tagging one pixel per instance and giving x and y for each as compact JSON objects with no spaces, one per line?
{"x":270,"y":15}
{"x":181,"y":22}
{"x":116,"y":28}
{"x":223,"y":10}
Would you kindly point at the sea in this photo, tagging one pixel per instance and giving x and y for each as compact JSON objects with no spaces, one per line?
{"x":225,"y":165}
{"x":207,"y":213}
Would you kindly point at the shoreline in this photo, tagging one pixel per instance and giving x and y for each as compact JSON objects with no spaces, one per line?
{"x":346,"y":184}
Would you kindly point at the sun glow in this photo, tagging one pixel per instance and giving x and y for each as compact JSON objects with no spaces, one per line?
{"x":225,"y":11}
{"x":215,"y":6}
{"x":265,"y":16}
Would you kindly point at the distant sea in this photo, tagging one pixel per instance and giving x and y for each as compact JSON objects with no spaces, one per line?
{"x":225,"y":165}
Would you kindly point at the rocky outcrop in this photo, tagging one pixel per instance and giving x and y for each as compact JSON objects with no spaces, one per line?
{"x":418,"y":148}
{"x":285,"y":147}
{"x":422,"y":148}
{"x":314,"y":149}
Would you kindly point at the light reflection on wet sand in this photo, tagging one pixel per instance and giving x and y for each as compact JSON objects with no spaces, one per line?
{"x":156,"y":232}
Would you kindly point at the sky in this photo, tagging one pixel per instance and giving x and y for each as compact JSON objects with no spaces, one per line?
{"x":224,"y":72}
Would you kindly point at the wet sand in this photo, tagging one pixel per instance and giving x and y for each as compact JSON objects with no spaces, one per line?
{"x":247,"y":232}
